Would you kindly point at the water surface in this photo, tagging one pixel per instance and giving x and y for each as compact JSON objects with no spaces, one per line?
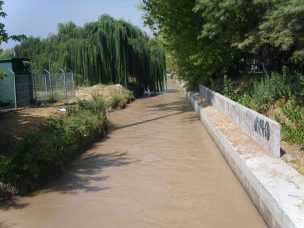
{"x":157,"y":167}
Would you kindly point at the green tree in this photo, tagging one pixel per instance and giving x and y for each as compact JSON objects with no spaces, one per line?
{"x":4,"y":36}
{"x":178,"y":26}
{"x":212,"y":38}
{"x":282,"y":30}
{"x":104,"y":51}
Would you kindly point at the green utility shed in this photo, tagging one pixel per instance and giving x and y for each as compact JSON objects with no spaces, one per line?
{"x":16,"y":89}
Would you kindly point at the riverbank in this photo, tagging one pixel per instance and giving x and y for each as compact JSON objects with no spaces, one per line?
{"x":39,"y":143}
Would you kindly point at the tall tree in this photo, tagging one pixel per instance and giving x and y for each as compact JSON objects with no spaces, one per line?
{"x":107,"y":50}
{"x":210,"y":38}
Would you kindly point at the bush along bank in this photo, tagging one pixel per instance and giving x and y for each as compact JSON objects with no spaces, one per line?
{"x":43,"y":155}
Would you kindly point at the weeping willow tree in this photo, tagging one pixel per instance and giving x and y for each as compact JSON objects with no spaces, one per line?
{"x":105,"y":51}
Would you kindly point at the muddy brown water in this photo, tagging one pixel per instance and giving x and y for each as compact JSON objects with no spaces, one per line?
{"x":157,"y":167}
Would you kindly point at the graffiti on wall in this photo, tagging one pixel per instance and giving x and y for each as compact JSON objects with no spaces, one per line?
{"x":262,"y":127}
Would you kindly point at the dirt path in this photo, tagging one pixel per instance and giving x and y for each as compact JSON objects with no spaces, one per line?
{"x":158,"y":167}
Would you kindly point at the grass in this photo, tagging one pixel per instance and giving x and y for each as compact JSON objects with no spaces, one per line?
{"x":292,"y":121}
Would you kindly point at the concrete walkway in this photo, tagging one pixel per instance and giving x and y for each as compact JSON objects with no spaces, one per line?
{"x":157,"y":167}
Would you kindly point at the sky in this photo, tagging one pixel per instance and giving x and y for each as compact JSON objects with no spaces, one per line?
{"x":39,"y":18}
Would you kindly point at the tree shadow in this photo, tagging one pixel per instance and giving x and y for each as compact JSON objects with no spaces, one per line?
{"x":171,"y":91}
{"x":5,"y":225}
{"x":179,"y":105}
{"x":13,"y":204}
{"x":84,"y":175}
{"x":118,"y":127}
{"x":147,"y":95}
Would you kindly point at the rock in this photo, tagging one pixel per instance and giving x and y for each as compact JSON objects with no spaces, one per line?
{"x":62,"y":110}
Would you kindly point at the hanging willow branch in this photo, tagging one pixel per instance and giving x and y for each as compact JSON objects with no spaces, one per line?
{"x":106,"y":51}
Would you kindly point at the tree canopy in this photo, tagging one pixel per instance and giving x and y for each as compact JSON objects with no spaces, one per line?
{"x":209,"y":38}
{"x":104,"y":51}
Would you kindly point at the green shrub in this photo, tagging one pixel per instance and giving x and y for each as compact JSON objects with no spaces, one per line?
{"x":299,"y":91}
{"x":228,"y":90}
{"x":44,"y":154}
{"x":293,"y":125}
{"x":271,"y":88}
{"x":2,"y":75}
{"x":129,"y":95}
{"x":117,"y":100}
{"x":97,"y":106}
{"x":4,"y":165}
{"x":246,"y":100}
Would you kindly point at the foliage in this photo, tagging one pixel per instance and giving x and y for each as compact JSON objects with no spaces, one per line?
{"x":209,"y":39}
{"x":44,"y":154}
{"x":299,"y":91}
{"x":120,"y":99}
{"x":279,"y":33}
{"x":4,"y":36}
{"x":117,"y":100}
{"x":7,"y":53}
{"x":292,"y":123}
{"x":175,"y":23}
{"x":105,"y":51}
{"x":2,"y":75}
{"x":246,"y":100}
{"x":129,"y":95}
{"x":212,"y":38}
{"x":228,"y":89}
{"x":271,"y":88}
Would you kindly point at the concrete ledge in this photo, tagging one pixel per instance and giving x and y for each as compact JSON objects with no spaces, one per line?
{"x":263,"y":130}
{"x":276,"y":189}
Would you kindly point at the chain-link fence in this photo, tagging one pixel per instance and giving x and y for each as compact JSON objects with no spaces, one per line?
{"x":50,"y":87}
{"x":25,"y":90}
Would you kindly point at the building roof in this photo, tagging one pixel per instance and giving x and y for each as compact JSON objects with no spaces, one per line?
{"x":13,"y":59}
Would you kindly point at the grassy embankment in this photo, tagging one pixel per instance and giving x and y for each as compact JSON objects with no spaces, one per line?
{"x":40,"y":156}
{"x":278,"y":96}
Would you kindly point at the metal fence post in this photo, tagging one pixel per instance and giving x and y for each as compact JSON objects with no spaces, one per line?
{"x":73,"y":84}
{"x":15,"y":92}
{"x":34,"y":87}
{"x":46,"y":89}
{"x":50,"y":80}
{"x":64,"y":84}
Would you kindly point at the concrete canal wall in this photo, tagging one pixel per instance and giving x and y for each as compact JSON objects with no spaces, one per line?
{"x":261,"y":129}
{"x":276,"y":189}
